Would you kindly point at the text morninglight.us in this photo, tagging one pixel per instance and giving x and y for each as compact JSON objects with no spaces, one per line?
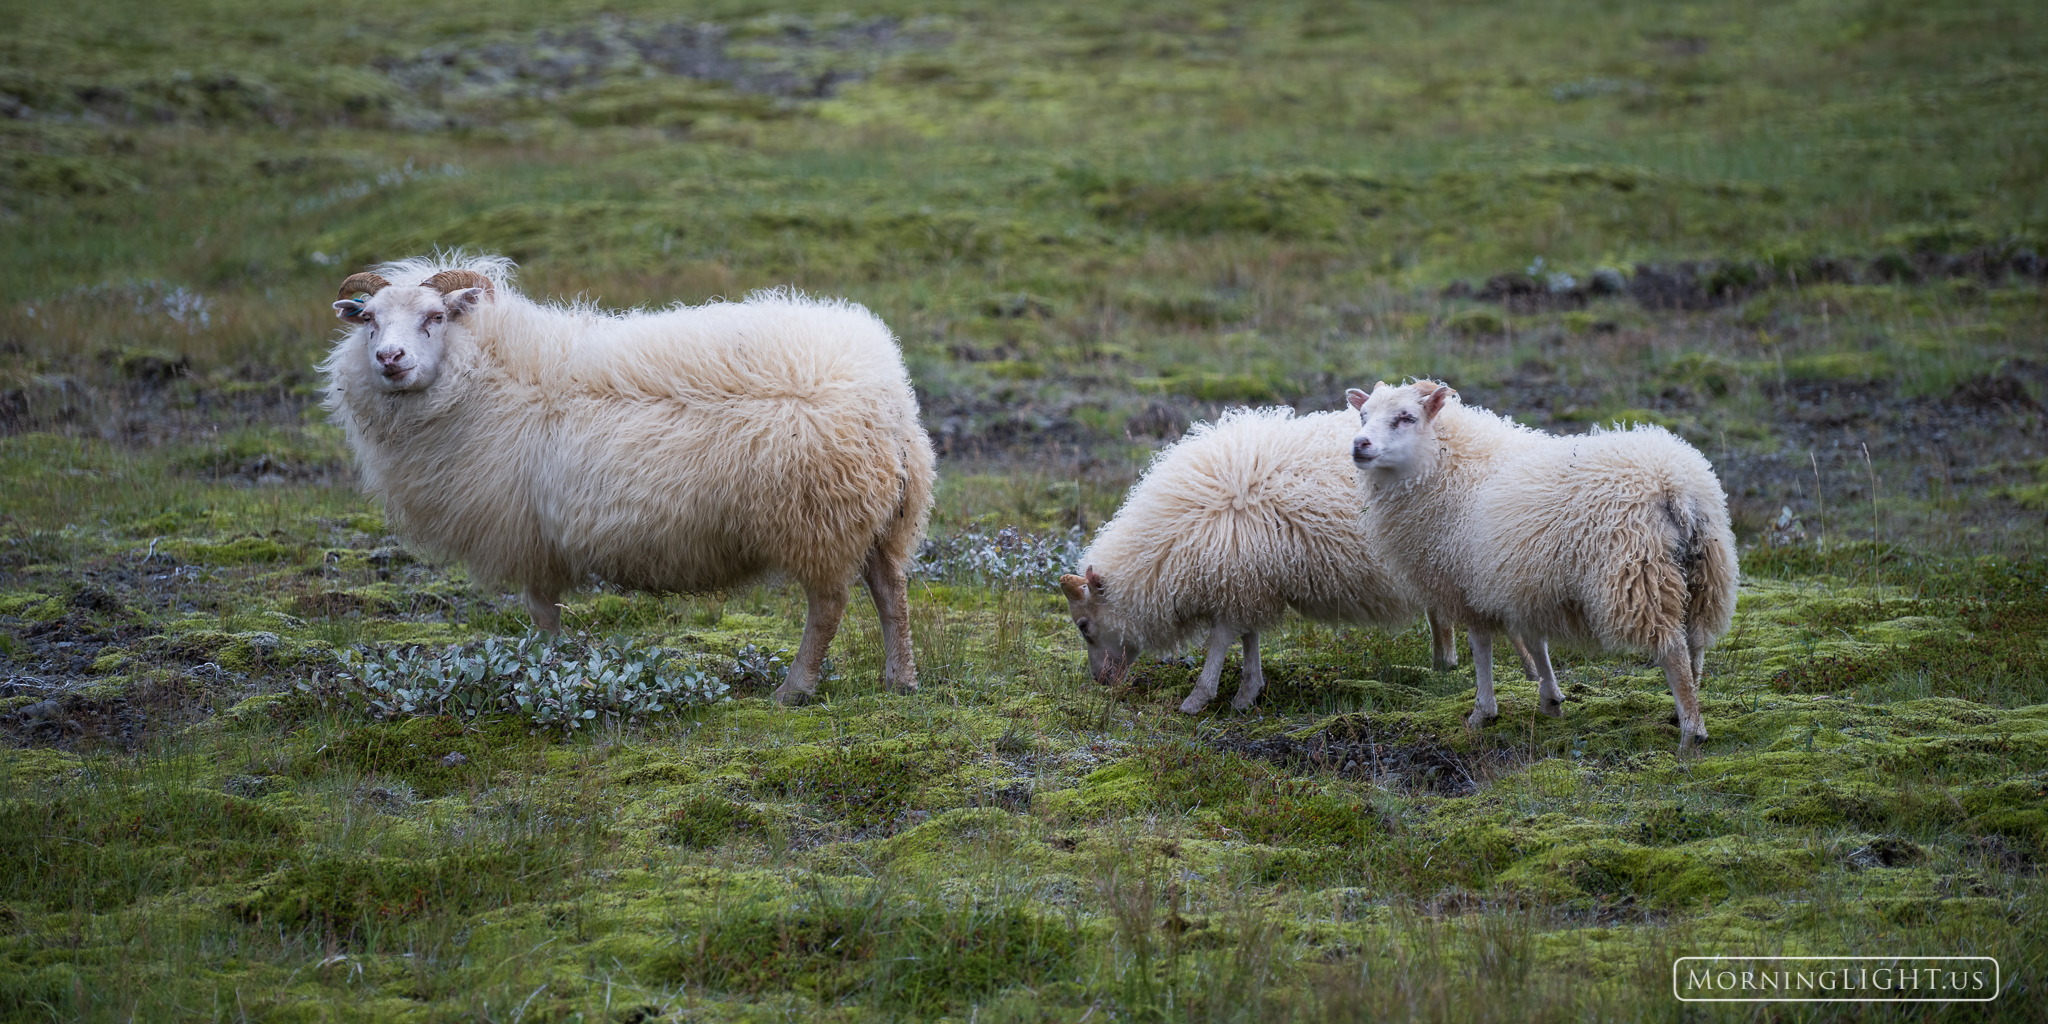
{"x":1835,"y":978}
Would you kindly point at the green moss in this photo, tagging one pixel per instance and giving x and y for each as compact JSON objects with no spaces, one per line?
{"x":1014,"y":369}
{"x":23,"y":603}
{"x":2016,"y":810}
{"x":1476,"y":322}
{"x":347,"y":894}
{"x":701,"y":822}
{"x":892,"y":956}
{"x":38,"y":765}
{"x":122,"y":845}
{"x":417,"y":751}
{"x":1303,"y":819}
{"x":867,"y":785}
{"x":1672,"y":824}
{"x":241,"y":551}
{"x":1710,"y":870}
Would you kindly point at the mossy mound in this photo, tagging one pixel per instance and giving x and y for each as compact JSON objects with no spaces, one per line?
{"x":144,"y":842}
{"x":436,"y":756}
{"x":701,"y":822}
{"x":346,"y":894}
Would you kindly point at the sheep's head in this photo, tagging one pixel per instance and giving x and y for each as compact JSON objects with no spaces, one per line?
{"x":1397,"y":431}
{"x":408,"y":324}
{"x":1109,"y":654}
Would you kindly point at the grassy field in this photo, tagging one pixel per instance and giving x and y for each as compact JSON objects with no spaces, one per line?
{"x":1807,"y":237}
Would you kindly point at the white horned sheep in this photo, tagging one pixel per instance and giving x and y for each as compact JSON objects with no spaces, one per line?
{"x":1618,"y":538}
{"x":683,"y":450}
{"x":1230,"y":527}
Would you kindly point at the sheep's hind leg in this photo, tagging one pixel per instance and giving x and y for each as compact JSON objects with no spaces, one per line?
{"x":1696,"y":641}
{"x":1212,"y":670}
{"x":547,"y":614}
{"x":827,"y":607}
{"x":1536,"y":662}
{"x":1677,"y":662}
{"x":1484,"y":707}
{"x":891,"y":591}
{"x":1253,"y":678}
{"x":1443,"y":639}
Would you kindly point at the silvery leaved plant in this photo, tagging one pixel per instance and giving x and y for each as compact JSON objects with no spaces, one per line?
{"x":1008,"y":556}
{"x":554,"y":683}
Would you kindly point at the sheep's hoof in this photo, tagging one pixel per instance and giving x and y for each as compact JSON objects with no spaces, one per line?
{"x":1191,"y":706}
{"x":1689,"y":743}
{"x":792,"y":698}
{"x":1553,"y":707}
{"x":1480,"y":719}
{"x":1240,"y":705}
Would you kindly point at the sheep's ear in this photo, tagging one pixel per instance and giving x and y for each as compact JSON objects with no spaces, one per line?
{"x":462,"y":301}
{"x":1435,"y":402}
{"x":1355,"y":397}
{"x":1096,"y":583}
{"x":351,"y":310}
{"x":1075,"y":588}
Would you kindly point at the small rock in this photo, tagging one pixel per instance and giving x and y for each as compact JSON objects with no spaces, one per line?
{"x":40,"y":710}
{"x":391,"y":555}
{"x":454,"y":759}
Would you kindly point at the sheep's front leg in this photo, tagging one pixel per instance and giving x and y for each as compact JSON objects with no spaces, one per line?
{"x":1253,"y":678}
{"x":1212,"y":670}
{"x":547,"y":613}
{"x":827,"y":607}
{"x":1485,"y":708}
{"x":1443,"y":639}
{"x":1677,"y":661}
{"x":1536,"y":662}
{"x":891,"y":591}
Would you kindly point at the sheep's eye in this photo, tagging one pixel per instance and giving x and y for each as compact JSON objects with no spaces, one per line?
{"x":1082,"y":625}
{"x":1404,"y":418}
{"x":435,"y":318}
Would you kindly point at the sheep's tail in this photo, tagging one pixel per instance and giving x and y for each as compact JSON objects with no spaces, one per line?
{"x":1706,"y":562}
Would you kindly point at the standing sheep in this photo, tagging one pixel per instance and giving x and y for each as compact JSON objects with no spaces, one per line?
{"x":1618,"y":539}
{"x":686,"y":449}
{"x":1230,"y":527}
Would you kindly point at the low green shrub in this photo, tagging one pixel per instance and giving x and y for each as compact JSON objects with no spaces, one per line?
{"x":561,"y":684}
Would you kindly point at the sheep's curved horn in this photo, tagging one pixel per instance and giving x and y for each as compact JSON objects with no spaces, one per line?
{"x":363,"y":282}
{"x":455,"y":280}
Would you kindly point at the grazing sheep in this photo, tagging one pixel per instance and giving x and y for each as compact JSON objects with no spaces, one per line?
{"x":685,"y":449}
{"x":1230,"y":527}
{"x":1618,"y":539}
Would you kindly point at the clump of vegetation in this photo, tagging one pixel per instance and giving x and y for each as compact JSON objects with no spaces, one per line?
{"x":702,"y":822}
{"x":554,"y":683}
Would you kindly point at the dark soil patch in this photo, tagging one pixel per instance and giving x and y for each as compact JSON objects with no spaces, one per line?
{"x":1706,"y":284}
{"x":1350,"y":748}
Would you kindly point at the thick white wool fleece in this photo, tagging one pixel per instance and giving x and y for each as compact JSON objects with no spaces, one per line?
{"x":682,"y":449}
{"x":1237,"y":522}
{"x":1574,"y":539}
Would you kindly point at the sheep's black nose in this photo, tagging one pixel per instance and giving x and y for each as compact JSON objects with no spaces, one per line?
{"x":1361,"y":449}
